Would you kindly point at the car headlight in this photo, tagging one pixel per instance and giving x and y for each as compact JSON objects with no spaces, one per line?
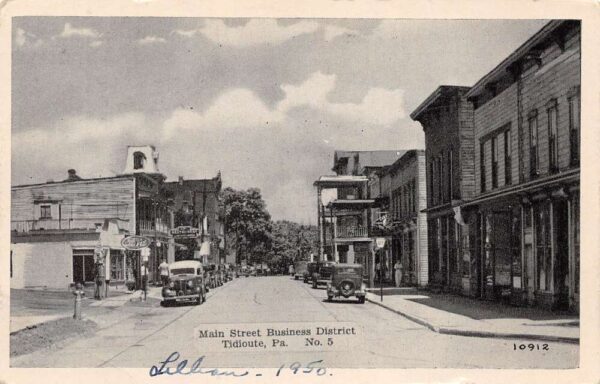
{"x":171,"y":285}
{"x":190,"y":283}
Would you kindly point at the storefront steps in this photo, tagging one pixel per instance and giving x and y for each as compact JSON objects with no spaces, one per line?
{"x":544,"y":327}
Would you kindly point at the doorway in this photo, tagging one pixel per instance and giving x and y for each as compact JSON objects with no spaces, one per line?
{"x":83,"y":265}
{"x":561,"y":253}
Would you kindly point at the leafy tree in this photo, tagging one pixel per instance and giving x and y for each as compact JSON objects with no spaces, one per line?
{"x":247,"y":223}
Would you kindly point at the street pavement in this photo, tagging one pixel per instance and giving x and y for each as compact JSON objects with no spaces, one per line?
{"x":142,"y":336}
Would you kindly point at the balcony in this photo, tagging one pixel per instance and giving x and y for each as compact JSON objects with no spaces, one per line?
{"x":152,"y":225}
{"x":352,"y":231}
{"x":52,"y":224}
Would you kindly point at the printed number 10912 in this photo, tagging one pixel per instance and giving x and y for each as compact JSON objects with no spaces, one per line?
{"x":531,"y":347}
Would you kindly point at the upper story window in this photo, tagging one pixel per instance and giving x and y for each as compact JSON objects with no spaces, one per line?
{"x":534,"y":155}
{"x":45,"y":211}
{"x":507,"y":158}
{"x":494,"y":162}
{"x":553,"y":135}
{"x":138,"y":160}
{"x":482,"y":166}
{"x":574,"y":126}
{"x":430,"y":183}
{"x":450,"y":178}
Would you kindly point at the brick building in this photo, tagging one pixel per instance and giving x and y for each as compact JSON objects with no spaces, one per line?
{"x":447,"y":120}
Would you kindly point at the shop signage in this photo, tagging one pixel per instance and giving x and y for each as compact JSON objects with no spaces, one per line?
{"x":380,"y":242}
{"x":185,"y":232}
{"x":134,"y":243}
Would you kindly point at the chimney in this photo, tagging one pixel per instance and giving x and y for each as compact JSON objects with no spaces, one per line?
{"x":72,"y":175}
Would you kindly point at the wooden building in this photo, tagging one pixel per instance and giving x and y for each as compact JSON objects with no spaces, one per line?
{"x":58,"y":227}
{"x":447,"y":120}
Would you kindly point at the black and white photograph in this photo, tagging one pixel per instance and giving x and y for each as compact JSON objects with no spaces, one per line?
{"x":216,"y":196}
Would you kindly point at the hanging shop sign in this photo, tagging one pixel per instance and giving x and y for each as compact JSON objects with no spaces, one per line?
{"x":185,"y":232}
{"x":134,"y":243}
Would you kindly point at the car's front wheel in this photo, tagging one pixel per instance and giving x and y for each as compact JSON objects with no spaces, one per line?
{"x":329,"y":298}
{"x":314,"y":285}
{"x":361,"y":299}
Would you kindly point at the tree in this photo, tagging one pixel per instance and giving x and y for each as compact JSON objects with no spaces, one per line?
{"x":291,"y":242}
{"x":247,"y":223}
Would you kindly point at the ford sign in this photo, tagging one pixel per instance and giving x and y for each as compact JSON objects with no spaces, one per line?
{"x":134,"y":243}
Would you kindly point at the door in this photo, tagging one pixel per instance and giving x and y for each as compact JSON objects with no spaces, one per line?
{"x":83,"y":265}
{"x":561,"y":253}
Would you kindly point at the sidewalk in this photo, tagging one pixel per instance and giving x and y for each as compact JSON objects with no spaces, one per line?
{"x":462,"y":316}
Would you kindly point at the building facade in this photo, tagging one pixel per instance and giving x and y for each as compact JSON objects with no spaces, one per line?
{"x":518,"y":233}
{"x":199,"y":231}
{"x":447,"y":120}
{"x":59,"y":228}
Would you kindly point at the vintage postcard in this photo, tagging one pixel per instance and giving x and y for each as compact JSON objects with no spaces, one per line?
{"x":263,"y":194}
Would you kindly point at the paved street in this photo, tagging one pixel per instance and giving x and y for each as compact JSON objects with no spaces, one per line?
{"x":133,"y":336}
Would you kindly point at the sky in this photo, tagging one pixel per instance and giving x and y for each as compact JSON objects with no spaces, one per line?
{"x":264,"y":101}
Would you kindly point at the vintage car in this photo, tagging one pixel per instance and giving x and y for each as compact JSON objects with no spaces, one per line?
{"x":186,"y":283}
{"x":310,"y":269}
{"x":346,"y":281}
{"x":300,"y":269}
{"x":322,"y":273}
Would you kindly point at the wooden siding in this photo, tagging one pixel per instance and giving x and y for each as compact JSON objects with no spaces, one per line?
{"x":83,"y":204}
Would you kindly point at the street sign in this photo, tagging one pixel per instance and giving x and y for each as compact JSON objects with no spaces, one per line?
{"x":134,"y":243}
{"x":183,"y":232}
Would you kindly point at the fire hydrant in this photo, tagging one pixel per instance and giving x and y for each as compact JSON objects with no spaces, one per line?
{"x":78,"y":292}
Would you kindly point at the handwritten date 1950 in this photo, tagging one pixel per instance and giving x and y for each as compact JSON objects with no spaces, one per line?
{"x":297,"y":368}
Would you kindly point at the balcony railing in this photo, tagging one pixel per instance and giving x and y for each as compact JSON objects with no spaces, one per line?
{"x":51,"y":224}
{"x":149,"y":226}
{"x":344,"y":232}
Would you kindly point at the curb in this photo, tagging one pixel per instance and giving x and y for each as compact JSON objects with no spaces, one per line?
{"x":473,"y":333}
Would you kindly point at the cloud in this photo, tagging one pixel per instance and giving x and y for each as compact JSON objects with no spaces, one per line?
{"x":24,"y":38}
{"x":70,"y":31}
{"x":261,"y":31}
{"x":151,"y":40}
{"x":379,"y":106}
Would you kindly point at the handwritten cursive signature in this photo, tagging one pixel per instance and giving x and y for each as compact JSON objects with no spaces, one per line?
{"x":168,"y":367}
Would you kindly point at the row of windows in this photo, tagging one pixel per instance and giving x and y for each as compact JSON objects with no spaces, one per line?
{"x":504,"y":137}
{"x":441,"y":178}
{"x":553,"y":151}
{"x":404,"y":199}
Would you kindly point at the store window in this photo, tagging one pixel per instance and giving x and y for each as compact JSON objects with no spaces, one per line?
{"x":543,"y":246}
{"x":83,"y":265}
{"x":117,"y":271}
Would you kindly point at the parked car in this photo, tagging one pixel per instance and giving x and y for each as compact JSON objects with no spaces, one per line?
{"x":310,"y":269}
{"x":186,"y":283}
{"x":300,"y":269}
{"x":346,"y":281}
{"x":322,"y":273}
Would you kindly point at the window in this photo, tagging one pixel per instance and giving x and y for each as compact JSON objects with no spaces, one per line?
{"x":138,"y":160}
{"x":83,"y":265}
{"x":450,"y":175}
{"x":440,"y":177}
{"x":45,"y":212}
{"x":494,"y":162}
{"x":553,"y":136}
{"x":574,"y":122}
{"x":507,"y":158}
{"x":430,"y":183}
{"x":482,"y":165}
{"x":534,"y":160}
{"x":116,"y":265}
